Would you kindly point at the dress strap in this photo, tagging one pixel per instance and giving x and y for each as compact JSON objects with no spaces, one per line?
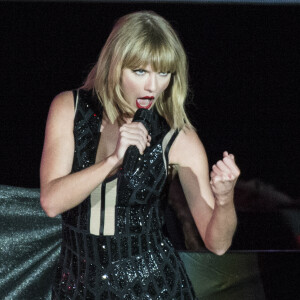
{"x":75,"y":97}
{"x":166,"y":145}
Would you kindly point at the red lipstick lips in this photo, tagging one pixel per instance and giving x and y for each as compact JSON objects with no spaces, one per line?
{"x":144,"y":102}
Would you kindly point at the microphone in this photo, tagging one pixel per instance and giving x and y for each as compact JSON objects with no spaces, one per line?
{"x":132,"y":154}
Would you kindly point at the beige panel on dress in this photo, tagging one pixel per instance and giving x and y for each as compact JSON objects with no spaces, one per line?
{"x":95,"y":217}
{"x":110,"y":208}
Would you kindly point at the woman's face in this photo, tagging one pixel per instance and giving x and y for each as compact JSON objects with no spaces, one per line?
{"x":141,"y":87}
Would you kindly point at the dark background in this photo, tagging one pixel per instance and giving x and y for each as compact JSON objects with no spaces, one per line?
{"x":244,"y":78}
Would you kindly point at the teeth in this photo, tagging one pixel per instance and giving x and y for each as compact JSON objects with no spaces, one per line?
{"x":143,"y":102}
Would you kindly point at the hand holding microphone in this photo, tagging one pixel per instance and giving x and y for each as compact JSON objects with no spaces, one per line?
{"x":134,"y":137}
{"x":142,"y":118}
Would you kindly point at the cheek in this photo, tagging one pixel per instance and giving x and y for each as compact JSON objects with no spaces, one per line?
{"x":165,"y":85}
{"x":129,"y":86}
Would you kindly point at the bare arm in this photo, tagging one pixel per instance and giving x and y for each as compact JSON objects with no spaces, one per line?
{"x":60,"y":190}
{"x":210,"y":202}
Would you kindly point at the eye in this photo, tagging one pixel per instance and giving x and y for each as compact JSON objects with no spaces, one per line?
{"x":139,"y":72}
{"x":164,"y":74}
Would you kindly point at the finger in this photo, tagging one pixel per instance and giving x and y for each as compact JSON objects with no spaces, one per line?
{"x":141,"y":145}
{"x":222,"y":173}
{"x":212,"y":174}
{"x":226,"y":177}
{"x":133,"y":129}
{"x":230,"y":155}
{"x":148,"y":140}
{"x":133,"y":142}
{"x":138,"y":133}
{"x":229,"y":162}
{"x":216,"y":170}
{"x":227,"y":154}
{"x":222,"y":166}
{"x":135,"y":126}
{"x":140,"y":126}
{"x":134,"y":135}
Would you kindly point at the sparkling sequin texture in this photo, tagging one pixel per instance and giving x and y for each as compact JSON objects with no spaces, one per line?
{"x":137,"y":261}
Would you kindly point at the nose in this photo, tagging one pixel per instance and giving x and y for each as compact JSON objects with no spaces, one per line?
{"x":151,"y":84}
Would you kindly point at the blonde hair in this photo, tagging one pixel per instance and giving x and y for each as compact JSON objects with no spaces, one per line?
{"x":139,"y":39}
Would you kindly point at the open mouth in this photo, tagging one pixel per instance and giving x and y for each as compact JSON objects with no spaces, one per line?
{"x":145,"y":102}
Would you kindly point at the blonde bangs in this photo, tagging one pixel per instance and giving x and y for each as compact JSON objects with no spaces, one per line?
{"x":158,"y":54}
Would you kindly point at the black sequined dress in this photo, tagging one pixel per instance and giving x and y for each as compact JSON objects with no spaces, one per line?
{"x":113,"y":246}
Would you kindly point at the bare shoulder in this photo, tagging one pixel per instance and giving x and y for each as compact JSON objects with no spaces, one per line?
{"x":61,"y":116}
{"x":62,"y":109}
{"x":186,"y":147}
{"x":63,"y":102}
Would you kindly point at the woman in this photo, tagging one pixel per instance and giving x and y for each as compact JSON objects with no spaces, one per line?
{"x":109,"y":196}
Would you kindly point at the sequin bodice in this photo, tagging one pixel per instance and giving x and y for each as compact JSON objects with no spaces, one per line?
{"x":113,"y":246}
